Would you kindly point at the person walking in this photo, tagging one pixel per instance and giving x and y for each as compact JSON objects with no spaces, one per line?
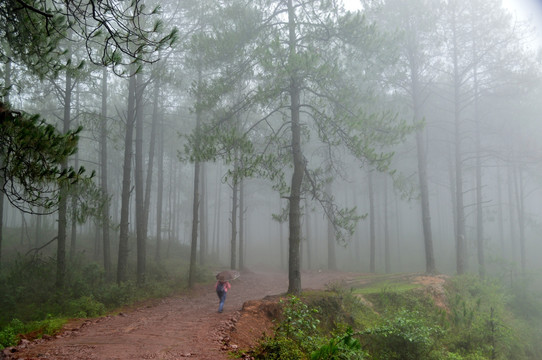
{"x":222,"y":287}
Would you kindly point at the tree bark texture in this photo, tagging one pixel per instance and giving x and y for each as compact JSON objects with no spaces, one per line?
{"x":126,"y":183}
{"x":294,"y":264}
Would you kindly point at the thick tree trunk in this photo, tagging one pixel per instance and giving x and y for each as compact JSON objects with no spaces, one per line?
{"x":7,"y":82}
{"x":294,"y":265}
{"x":104,"y":181}
{"x":126,"y":183}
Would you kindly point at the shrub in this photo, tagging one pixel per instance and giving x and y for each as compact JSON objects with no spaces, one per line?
{"x":296,"y":335}
{"x":9,"y":336}
{"x":342,"y":347}
{"x":404,"y":335}
{"x":85,"y":306}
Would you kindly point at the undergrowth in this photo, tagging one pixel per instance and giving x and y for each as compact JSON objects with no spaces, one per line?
{"x":30,"y":302}
{"x":483,"y":319}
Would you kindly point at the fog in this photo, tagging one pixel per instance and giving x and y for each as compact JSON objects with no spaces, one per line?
{"x":454,"y":95}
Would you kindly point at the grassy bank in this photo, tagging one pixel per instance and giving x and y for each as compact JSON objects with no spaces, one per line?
{"x":465,"y":318}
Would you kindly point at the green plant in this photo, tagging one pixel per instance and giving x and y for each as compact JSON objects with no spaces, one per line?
{"x":405,"y":335}
{"x":343,"y":347}
{"x":298,"y":323}
{"x":296,"y":335}
{"x":9,"y":335}
{"x":85,"y":306}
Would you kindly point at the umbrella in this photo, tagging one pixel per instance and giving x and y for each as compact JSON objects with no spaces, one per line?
{"x":227,"y":275}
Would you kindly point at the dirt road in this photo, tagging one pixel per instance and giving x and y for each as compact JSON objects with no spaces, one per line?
{"x":173,"y":328}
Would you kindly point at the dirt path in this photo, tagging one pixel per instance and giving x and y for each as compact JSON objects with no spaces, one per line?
{"x":174,"y":328}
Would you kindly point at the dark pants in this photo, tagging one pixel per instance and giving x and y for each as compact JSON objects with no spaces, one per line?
{"x":222,"y":297}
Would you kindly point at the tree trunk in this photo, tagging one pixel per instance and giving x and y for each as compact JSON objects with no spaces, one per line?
{"x":387,"y":260}
{"x":500,"y":213}
{"x":160,"y":192}
{"x":479,"y":197}
{"x":460,"y":209}
{"x":424,"y":202}
{"x":73,"y":235}
{"x":152,"y":149}
{"x":126,"y":183}
{"x":331,"y":258}
{"x":203,"y":216}
{"x":281,"y":237}
{"x":294,"y":271}
{"x":234,"y":205}
{"x":195,"y":201}
{"x":372,"y":235}
{"x":7,"y":82}
{"x":520,"y":207}
{"x":63,"y":203}
{"x":307,"y":234}
{"x":241,"y":225}
{"x":139,"y":196}
{"x":217,"y":207}
{"x":511,"y":205}
{"x":104,"y":180}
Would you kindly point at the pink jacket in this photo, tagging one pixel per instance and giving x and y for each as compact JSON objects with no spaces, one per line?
{"x":227,"y":286}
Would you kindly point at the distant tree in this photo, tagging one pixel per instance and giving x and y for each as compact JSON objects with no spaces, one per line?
{"x":418,"y":53}
{"x":105,"y":221}
{"x":484,"y":52}
{"x":141,"y":226}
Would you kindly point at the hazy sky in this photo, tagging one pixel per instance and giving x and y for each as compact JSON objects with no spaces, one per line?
{"x":524,"y":9}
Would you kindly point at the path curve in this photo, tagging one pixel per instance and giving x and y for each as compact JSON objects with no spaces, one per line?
{"x":177,"y":327}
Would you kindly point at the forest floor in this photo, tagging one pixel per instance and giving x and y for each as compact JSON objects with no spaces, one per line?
{"x":179,"y":327}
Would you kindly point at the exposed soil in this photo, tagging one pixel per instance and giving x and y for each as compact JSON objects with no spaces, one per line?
{"x":177,"y":327}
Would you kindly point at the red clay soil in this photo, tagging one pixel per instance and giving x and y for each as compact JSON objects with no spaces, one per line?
{"x":177,"y":327}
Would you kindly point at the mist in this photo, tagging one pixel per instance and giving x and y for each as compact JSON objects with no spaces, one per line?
{"x":419,"y":143}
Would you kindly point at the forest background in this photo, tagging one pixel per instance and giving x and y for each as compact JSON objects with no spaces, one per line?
{"x":400,"y":138}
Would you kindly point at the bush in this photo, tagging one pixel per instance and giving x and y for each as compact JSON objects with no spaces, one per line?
{"x":405,"y":336}
{"x":296,"y":335}
{"x":85,"y":306}
{"x":342,"y":347}
{"x":9,"y":336}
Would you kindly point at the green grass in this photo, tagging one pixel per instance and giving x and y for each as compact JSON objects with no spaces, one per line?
{"x":375,"y":283}
{"x":384,"y":286}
